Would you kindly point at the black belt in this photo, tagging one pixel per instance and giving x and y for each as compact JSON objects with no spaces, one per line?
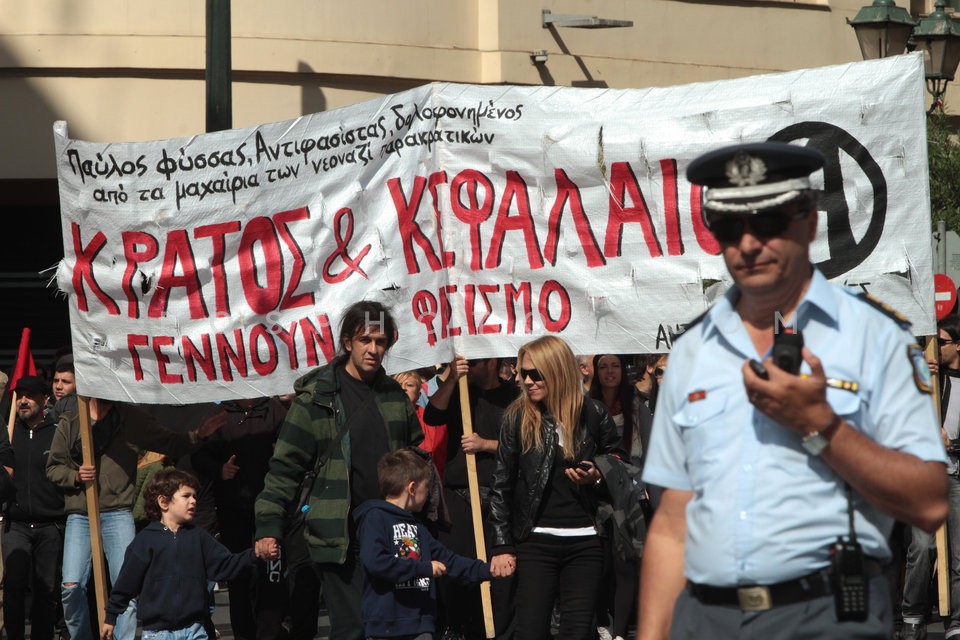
{"x":763,"y":597}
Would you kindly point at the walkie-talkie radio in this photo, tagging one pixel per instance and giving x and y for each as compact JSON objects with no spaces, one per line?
{"x":787,"y":345}
{"x":848,"y":578}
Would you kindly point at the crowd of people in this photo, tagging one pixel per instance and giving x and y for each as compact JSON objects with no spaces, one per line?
{"x":747,"y":487}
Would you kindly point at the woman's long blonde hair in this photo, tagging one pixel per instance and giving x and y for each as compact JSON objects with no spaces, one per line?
{"x":561,"y":373}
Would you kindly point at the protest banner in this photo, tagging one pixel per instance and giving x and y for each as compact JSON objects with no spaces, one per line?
{"x":216,"y":266}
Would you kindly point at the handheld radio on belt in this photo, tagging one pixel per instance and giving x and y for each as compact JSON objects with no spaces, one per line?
{"x":851,"y":589}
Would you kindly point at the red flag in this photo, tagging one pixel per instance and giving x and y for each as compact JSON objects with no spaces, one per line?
{"x":25,"y":365}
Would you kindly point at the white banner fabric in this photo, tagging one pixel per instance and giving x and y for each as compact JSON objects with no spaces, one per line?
{"x":217,"y":266}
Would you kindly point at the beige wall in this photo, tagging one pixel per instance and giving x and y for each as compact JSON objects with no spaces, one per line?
{"x":124,"y":70}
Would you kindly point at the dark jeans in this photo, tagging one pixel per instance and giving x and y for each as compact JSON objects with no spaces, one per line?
{"x":343,"y":590}
{"x":921,"y":556}
{"x":257,"y":605}
{"x":551,"y":567}
{"x":31,"y":558}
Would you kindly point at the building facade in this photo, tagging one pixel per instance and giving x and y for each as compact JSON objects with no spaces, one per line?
{"x":121,"y":70}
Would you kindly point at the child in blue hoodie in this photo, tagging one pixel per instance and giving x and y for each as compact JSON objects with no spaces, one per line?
{"x":401,"y":557}
{"x":168,"y":563}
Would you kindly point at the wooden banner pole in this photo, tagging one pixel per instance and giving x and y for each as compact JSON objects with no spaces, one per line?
{"x":474,"y":487}
{"x":943,"y":572}
{"x":93,"y":510}
{"x":13,"y":416}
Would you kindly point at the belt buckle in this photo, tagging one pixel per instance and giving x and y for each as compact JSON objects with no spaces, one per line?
{"x":754,"y":598}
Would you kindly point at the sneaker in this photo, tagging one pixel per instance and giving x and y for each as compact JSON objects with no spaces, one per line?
{"x":914,"y":631}
{"x":604,"y":633}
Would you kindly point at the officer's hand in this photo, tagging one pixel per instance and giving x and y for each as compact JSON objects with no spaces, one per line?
{"x":799,"y":403}
{"x":229,"y":469}
{"x":267,"y":548}
{"x":86,"y":473}
{"x":106,"y":631}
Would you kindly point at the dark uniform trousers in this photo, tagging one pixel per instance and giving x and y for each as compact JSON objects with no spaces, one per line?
{"x":814,"y":619}
{"x":32,"y":554}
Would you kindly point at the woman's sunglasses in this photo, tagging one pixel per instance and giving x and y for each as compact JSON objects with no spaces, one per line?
{"x":762,"y":225}
{"x":533,"y":374}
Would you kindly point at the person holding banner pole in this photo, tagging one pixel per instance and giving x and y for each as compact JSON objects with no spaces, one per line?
{"x":922,"y":548}
{"x":346,"y":416}
{"x":793,"y":426}
{"x":118,"y":432}
{"x":489,"y":396}
{"x":545,"y":492}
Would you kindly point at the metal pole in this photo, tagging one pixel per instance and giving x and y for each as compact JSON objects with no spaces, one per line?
{"x":218,"y":73}
{"x":942,"y":246}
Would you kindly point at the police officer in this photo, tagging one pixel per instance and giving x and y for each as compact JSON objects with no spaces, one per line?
{"x":766,"y":472}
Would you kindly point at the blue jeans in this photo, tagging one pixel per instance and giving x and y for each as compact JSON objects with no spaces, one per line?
{"x":193,"y":632}
{"x":116,"y":531}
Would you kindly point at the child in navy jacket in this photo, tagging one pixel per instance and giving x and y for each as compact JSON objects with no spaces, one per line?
{"x":168,"y":564}
{"x":401,"y":557}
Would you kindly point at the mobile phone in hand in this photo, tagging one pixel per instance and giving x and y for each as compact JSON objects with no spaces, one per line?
{"x":584,"y":465}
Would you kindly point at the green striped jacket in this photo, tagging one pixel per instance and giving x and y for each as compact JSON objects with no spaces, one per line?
{"x":310,"y":424}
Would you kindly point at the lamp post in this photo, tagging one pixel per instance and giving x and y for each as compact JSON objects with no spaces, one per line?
{"x":938,"y":36}
{"x":884,"y":29}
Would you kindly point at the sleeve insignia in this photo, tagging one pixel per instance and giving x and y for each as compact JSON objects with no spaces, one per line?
{"x":921,"y":372}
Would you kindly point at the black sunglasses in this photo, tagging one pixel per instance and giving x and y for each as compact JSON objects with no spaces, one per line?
{"x":658,"y":371}
{"x":533,"y":374}
{"x":762,"y":225}
{"x":943,"y":341}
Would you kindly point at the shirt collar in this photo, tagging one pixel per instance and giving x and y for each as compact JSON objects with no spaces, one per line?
{"x":819,"y":300}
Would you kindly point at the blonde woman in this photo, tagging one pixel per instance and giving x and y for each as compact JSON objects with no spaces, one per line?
{"x":544,"y":493}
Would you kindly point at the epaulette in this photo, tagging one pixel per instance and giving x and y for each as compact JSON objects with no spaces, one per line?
{"x":885,"y":309}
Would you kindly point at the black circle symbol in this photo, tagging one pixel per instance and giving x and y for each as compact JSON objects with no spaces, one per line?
{"x":845,"y":251}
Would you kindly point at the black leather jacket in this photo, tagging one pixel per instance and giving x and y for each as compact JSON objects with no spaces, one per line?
{"x":520,"y":478}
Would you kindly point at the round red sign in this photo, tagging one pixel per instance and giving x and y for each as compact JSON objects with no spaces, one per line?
{"x":945,"y":294}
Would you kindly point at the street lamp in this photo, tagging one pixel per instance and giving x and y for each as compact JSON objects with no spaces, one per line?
{"x":939,"y":38}
{"x":884,"y":29}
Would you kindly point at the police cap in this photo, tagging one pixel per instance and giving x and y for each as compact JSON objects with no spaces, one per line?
{"x":745,"y":179}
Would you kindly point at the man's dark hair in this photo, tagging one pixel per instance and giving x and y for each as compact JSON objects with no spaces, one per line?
{"x":165,"y":482}
{"x":398,"y":468}
{"x":950,"y":324}
{"x":64,"y":364}
{"x":359,"y":316}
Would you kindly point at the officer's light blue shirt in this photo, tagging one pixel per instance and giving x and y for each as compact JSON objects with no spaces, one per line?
{"x":763,"y":509}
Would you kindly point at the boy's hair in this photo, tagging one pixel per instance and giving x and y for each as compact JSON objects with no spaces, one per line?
{"x":64,"y":364}
{"x":398,"y":468}
{"x":165,"y":482}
